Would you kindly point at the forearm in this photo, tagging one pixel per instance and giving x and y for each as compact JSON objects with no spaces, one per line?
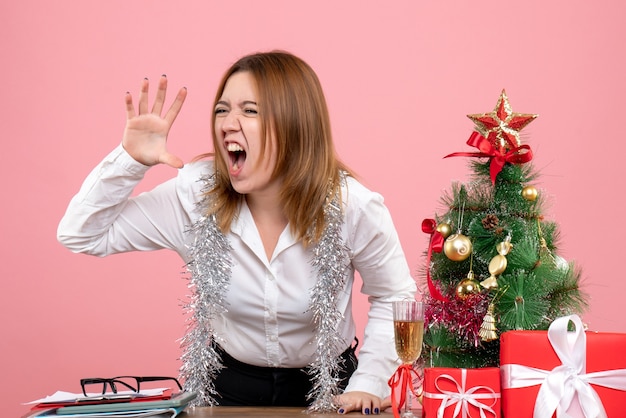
{"x":102,"y":197}
{"x":377,"y":358}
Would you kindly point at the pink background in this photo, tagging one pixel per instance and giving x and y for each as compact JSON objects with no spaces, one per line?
{"x":400,"y":76}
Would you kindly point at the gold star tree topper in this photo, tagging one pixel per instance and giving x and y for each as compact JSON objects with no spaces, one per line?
{"x":501,"y":126}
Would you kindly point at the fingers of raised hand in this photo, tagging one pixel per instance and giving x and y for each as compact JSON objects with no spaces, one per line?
{"x":143,"y":96}
{"x":130,"y":109}
{"x":174,"y":109}
{"x":160,"y":96}
{"x":159,"y":101}
{"x":143,"y":100}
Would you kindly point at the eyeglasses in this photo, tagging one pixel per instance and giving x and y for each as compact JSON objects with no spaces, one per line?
{"x":132,"y":383}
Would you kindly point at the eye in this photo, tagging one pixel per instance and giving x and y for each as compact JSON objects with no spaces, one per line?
{"x":250,"y":111}
{"x":220,"y":110}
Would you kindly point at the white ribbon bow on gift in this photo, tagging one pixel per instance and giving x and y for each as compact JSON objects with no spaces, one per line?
{"x":462,"y":398}
{"x":562,"y":384}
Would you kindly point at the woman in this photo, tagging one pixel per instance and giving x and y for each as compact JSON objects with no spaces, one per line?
{"x":272,"y":227}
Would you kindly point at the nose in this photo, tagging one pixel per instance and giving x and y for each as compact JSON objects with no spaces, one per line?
{"x":231,"y":122}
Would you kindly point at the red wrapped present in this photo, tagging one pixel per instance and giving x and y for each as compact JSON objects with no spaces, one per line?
{"x":550,"y":373}
{"x":463,"y":393}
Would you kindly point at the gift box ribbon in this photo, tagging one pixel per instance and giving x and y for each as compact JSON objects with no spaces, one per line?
{"x":463,"y":398}
{"x":562,"y":384}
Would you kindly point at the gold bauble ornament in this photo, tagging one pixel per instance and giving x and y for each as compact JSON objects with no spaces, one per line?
{"x":467,"y":287}
{"x":457,"y":247}
{"x":444,"y":229}
{"x":530,"y":193}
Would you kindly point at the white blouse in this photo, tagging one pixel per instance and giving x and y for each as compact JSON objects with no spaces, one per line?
{"x":266,"y":323}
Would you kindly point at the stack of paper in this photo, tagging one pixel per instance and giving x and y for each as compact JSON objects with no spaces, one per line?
{"x":153,"y":413}
{"x":147,"y":403}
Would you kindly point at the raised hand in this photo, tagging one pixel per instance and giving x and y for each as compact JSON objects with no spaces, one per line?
{"x":145,"y":135}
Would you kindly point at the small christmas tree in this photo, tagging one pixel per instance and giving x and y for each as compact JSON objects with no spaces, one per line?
{"x":492,"y":262}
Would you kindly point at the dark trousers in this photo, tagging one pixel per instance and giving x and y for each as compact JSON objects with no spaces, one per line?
{"x":240,"y":384}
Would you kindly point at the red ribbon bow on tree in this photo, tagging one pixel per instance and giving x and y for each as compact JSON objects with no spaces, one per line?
{"x":429,"y":226}
{"x":517,"y":155}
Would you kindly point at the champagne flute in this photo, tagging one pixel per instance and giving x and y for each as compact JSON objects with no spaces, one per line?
{"x":408,"y":324}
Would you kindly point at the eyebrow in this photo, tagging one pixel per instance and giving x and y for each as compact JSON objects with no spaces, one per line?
{"x":245,"y":102}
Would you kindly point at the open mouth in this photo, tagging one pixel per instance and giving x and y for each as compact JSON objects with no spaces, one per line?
{"x":237,"y":155}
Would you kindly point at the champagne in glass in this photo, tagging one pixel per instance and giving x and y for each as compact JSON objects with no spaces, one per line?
{"x":409,"y":336}
{"x":408,"y":322}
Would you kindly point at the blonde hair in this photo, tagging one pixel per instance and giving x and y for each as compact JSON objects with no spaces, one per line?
{"x":291,"y":104}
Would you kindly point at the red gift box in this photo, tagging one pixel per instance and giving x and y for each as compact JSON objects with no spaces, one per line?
{"x":587,"y":372}
{"x":466,"y":393}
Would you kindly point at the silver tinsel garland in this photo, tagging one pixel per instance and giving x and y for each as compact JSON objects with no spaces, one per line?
{"x":210,"y":271}
{"x":330,"y":262}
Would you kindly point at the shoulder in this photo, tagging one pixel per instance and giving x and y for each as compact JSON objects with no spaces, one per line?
{"x":362,"y":205}
{"x":356,"y":195}
{"x":366,"y":217}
